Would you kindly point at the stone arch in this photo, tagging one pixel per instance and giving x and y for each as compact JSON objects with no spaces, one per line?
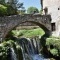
{"x":38,"y":24}
{"x":9,"y":22}
{"x":44,"y":37}
{"x":45,"y":29}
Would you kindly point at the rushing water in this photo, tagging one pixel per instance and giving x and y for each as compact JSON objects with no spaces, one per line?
{"x":30,"y":48}
{"x":13,"y":54}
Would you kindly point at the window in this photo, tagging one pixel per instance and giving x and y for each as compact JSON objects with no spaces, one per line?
{"x":59,"y":8}
{"x":53,"y":27}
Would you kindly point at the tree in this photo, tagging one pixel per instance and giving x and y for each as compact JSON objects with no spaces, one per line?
{"x":15,"y":4}
{"x":3,"y":10}
{"x":11,"y":7}
{"x":2,"y":1}
{"x":22,"y":10}
{"x":32,"y":10}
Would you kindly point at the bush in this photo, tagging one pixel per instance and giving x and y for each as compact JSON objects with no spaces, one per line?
{"x":54,"y":52}
{"x":10,"y":10}
{"x":3,"y":10}
{"x":4,"y":50}
{"x":7,"y":10}
{"x":53,"y":46}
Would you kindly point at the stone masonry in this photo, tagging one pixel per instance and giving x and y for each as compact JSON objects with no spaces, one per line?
{"x":7,"y":23}
{"x":53,"y":7}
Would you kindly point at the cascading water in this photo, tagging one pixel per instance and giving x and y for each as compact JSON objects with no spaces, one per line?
{"x":13,"y":54}
{"x":31,"y":49}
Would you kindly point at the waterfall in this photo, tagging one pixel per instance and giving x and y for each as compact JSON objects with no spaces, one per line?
{"x":23,"y":52}
{"x":26,"y":51}
{"x":30,"y":48}
{"x":13,"y":54}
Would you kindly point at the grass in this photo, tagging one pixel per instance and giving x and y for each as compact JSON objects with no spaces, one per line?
{"x":28,"y":33}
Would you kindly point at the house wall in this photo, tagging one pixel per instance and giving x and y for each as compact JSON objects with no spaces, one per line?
{"x":54,"y":10}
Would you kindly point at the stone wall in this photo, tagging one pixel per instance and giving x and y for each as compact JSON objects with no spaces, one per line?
{"x":7,"y":23}
{"x":54,"y":10}
{"x":52,"y":6}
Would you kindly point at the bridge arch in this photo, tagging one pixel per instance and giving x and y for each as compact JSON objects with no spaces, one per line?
{"x":9,"y":22}
{"x":47,"y":31}
{"x":38,"y":24}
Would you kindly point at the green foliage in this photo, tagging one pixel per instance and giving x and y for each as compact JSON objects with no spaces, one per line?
{"x":15,"y":4}
{"x":53,"y":45}
{"x":3,"y":10}
{"x":7,"y":10}
{"x":10,"y":10}
{"x":28,"y":33}
{"x":3,"y":53}
{"x":54,"y":52}
{"x":4,"y":47}
{"x":31,"y":10}
{"x":2,"y":1}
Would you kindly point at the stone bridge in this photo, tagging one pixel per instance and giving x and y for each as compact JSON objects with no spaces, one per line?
{"x":7,"y":23}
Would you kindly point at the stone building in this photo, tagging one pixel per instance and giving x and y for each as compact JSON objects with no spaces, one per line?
{"x":52,"y":7}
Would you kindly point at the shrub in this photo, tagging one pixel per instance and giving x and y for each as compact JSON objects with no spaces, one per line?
{"x":3,"y":52}
{"x":10,"y":10}
{"x":3,"y":10}
{"x":7,"y":10}
{"x":53,"y":45}
{"x":54,"y":52}
{"x":4,"y":49}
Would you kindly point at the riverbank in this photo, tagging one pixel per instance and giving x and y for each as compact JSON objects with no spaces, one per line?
{"x":28,"y":32}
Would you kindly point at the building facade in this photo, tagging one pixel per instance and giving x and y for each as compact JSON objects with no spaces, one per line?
{"x":52,"y":7}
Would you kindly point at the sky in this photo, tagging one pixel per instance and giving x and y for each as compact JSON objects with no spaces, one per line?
{"x":29,"y":3}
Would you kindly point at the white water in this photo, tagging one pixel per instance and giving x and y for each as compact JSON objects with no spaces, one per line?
{"x":13,"y":54}
{"x":32,"y":50}
{"x":38,"y":57}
